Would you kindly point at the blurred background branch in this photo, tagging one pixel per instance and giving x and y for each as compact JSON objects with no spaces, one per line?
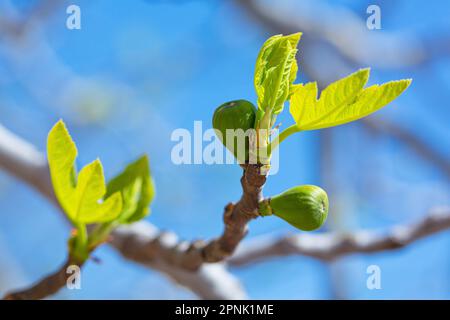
{"x":331,"y":246}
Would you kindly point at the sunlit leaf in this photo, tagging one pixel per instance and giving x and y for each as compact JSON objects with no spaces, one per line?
{"x":137,"y":188}
{"x":80,"y":196}
{"x":341,"y":102}
{"x":275,"y":71}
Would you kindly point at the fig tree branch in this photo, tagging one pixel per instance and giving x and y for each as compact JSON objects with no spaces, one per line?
{"x":333,"y":245}
{"x":141,"y":242}
{"x":46,"y":286}
{"x":236,"y":217}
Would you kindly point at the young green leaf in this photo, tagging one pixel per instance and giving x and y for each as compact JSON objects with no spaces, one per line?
{"x":137,"y":188}
{"x":79,"y":197}
{"x":275,"y":71}
{"x":342,"y":101}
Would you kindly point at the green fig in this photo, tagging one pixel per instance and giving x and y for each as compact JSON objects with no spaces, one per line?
{"x":237,"y":114}
{"x":304,"y":207}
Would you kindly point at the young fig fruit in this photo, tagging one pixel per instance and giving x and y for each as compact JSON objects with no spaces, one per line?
{"x":304,"y":207}
{"x":237,"y":114}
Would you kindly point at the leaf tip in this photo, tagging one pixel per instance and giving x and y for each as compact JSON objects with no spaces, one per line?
{"x":59,"y":134}
{"x":296,"y":35}
{"x":96,"y":166}
{"x":366,"y":69}
{"x":408,"y":82}
{"x":58,"y":126}
{"x":117,"y":199}
{"x":144,"y":159}
{"x":402,"y":84}
{"x":364,"y":73}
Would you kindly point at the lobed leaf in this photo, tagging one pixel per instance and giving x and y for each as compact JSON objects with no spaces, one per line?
{"x":341,"y":102}
{"x":80,"y":197}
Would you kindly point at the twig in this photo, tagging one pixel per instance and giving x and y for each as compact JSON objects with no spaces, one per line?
{"x":331,"y":246}
{"x":236,"y":217}
{"x":47,"y":286}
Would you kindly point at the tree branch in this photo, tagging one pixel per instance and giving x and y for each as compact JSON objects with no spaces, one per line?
{"x":137,"y":242}
{"x":331,"y":246}
{"x":143,"y":243}
{"x":25,"y":162}
{"x":236,"y":217}
{"x":47,"y":286}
